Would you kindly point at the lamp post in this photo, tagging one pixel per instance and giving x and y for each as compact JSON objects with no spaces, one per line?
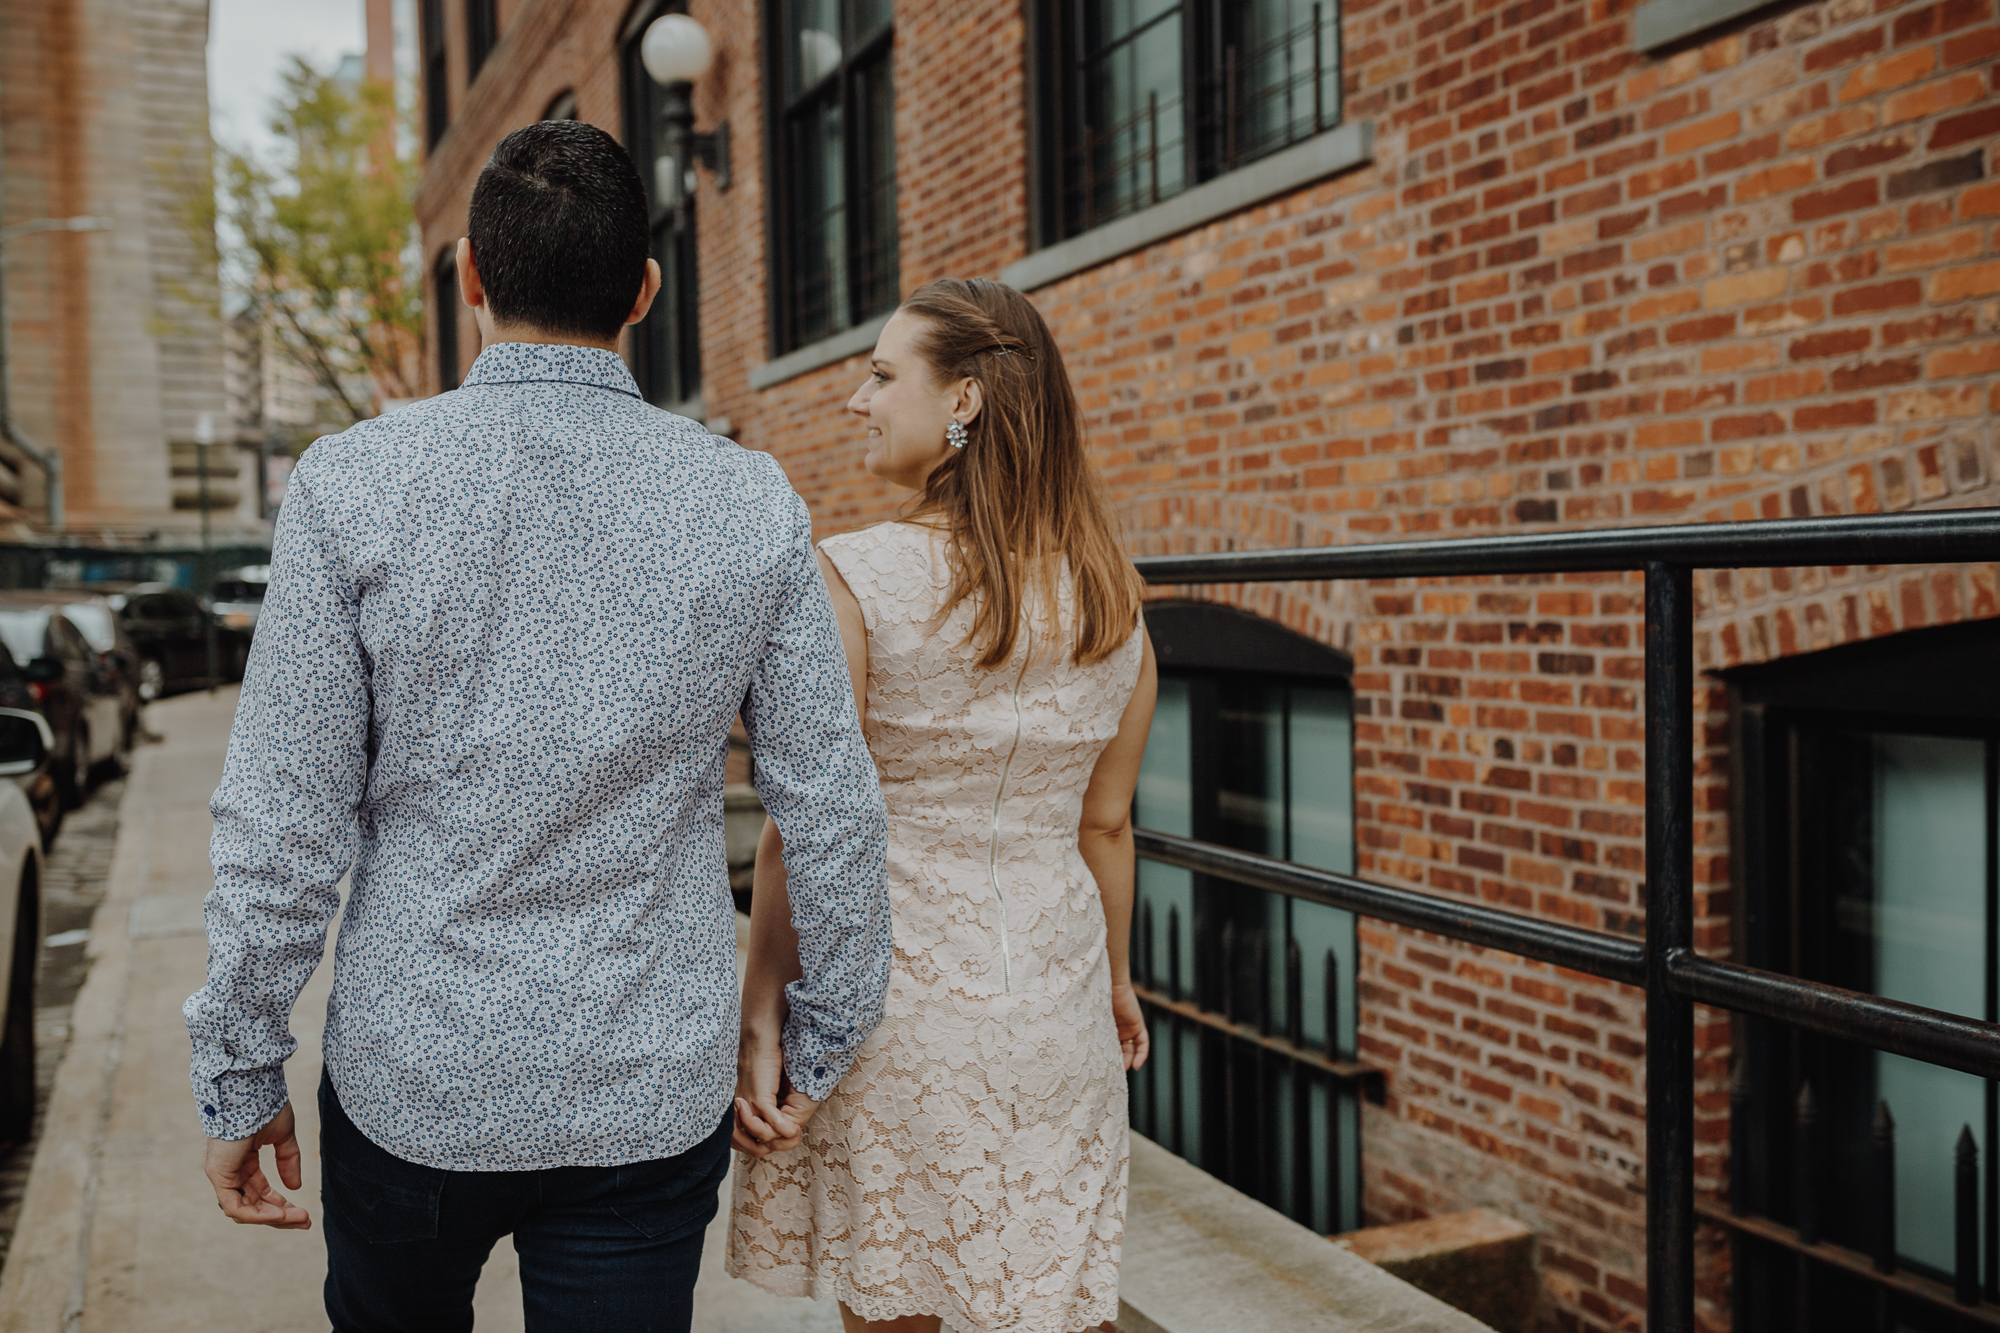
{"x":48,"y":460}
{"x":676,"y":51}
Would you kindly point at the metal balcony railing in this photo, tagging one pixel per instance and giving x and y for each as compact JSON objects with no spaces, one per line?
{"x":1664,"y":963}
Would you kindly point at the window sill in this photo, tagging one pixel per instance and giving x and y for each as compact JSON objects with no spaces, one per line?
{"x":825,"y":352}
{"x":1663,"y":22}
{"x":1323,"y":155}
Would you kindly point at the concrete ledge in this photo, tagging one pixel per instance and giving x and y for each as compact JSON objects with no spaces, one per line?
{"x":1201,"y":1258}
{"x":1322,"y":155}
{"x":1480,"y":1261}
{"x":848,"y":342}
{"x":1662,"y":22}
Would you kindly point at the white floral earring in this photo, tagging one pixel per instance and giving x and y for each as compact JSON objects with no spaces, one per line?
{"x":954,"y":434}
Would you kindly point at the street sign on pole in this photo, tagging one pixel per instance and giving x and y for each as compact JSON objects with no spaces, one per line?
{"x":204,"y":436}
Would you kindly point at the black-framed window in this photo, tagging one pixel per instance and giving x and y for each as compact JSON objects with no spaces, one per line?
{"x":1143,"y":99}
{"x":1869,"y":840}
{"x":834,"y":166}
{"x":437,"y":88}
{"x":666,"y":346}
{"x":1251,"y":747}
{"x":444,"y":294}
{"x":482,"y":34}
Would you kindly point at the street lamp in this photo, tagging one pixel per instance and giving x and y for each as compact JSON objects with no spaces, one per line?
{"x":676,"y":51}
{"x":48,"y":460}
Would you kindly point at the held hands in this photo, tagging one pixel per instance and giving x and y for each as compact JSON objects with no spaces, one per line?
{"x":771,"y":1114}
{"x":1133,"y":1043}
{"x":242,"y":1191}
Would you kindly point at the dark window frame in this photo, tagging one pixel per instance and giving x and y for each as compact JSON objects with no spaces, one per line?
{"x":1783,"y":714}
{"x":482,"y":34}
{"x":872,"y":254}
{"x":1061,"y":200}
{"x":437,"y":72}
{"x":444,"y":291}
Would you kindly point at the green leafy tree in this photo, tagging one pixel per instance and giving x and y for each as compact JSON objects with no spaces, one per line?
{"x":323,"y":238}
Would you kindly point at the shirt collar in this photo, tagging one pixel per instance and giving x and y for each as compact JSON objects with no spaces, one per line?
{"x":552,"y":363}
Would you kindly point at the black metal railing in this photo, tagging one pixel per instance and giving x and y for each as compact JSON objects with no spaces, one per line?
{"x":1880,"y":1265}
{"x":1675,"y":978}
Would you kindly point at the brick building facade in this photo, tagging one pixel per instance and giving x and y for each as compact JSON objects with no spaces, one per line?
{"x":1545,"y":279}
{"x":115,"y":338}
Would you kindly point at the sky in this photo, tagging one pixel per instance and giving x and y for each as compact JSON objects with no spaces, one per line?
{"x":248,"y":43}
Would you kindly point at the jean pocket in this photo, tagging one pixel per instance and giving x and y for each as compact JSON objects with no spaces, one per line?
{"x":380,"y":1213}
{"x":666,"y":1199}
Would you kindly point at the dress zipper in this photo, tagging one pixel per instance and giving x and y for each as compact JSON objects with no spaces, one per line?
{"x":993,"y":840}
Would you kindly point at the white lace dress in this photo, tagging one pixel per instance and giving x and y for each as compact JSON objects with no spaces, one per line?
{"x":972,"y":1163}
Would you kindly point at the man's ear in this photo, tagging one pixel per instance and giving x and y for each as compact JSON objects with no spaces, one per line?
{"x":470,"y":289}
{"x":648,"y":289}
{"x":971,"y":400}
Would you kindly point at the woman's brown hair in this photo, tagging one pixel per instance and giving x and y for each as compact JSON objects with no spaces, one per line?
{"x":1020,"y":498}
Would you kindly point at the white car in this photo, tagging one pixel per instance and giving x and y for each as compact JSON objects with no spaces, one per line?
{"x":25,"y":744}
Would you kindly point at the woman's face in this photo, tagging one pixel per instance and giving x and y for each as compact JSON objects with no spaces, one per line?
{"x":905,"y":409}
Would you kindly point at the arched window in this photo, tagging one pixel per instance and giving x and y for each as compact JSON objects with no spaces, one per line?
{"x":1251,"y":747}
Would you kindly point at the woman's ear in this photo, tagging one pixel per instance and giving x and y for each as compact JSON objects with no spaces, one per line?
{"x":971,"y":398}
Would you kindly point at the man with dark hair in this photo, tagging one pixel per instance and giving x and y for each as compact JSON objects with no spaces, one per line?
{"x":507,"y":632}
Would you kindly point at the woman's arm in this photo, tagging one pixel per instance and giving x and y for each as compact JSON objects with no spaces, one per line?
{"x":770,"y":1116}
{"x":1104,"y":837}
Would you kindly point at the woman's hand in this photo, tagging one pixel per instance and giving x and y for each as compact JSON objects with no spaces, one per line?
{"x":1133,"y":1043}
{"x":771,"y":1114}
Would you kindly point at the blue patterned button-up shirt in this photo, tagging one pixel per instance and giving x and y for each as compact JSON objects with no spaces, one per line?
{"x":506,"y":635}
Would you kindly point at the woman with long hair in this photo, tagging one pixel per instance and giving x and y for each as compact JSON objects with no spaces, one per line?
{"x":971,"y":1165}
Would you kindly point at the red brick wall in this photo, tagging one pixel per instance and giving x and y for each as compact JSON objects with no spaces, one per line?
{"x":1576,"y":286}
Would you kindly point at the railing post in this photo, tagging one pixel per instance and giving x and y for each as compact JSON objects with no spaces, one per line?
{"x":1669,"y":927}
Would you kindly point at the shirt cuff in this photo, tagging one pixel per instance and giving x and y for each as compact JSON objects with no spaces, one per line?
{"x":812,"y":1063}
{"x":237,"y":1104}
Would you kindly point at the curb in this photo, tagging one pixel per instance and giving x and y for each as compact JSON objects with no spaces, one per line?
{"x":42,"y":1287}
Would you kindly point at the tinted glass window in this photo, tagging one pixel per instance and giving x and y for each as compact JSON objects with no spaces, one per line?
{"x":230,"y":590}
{"x":1146,"y":98}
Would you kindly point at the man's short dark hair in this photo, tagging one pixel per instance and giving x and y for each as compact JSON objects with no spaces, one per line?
{"x":559,"y":230}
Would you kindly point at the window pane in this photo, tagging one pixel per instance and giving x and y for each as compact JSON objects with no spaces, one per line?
{"x":1284,"y":60}
{"x":875,"y":258}
{"x":820,"y":281}
{"x":1133,"y":149}
{"x":1929,"y":938}
{"x":870,"y":17}
{"x":813,"y":50}
{"x":1164,"y":802}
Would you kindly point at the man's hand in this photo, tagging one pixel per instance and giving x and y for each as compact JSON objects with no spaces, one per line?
{"x":242,"y":1190}
{"x":771,"y":1114}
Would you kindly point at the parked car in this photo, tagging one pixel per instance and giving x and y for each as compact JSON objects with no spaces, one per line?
{"x":81,"y":697}
{"x":38,"y":784}
{"x":25,"y":743}
{"x":237,"y":597}
{"x":168,"y":630}
{"x":97,"y":620}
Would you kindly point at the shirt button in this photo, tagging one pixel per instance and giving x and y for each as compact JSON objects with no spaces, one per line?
{"x":208,"y":1110}
{"x":819,"y":1073}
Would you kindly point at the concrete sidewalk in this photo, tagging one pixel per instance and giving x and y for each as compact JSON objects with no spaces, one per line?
{"x":119,"y":1230}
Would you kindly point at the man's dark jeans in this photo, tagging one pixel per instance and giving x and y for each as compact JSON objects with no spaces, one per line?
{"x":601,"y":1247}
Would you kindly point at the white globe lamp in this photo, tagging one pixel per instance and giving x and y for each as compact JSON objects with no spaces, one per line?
{"x":676,"y":49}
